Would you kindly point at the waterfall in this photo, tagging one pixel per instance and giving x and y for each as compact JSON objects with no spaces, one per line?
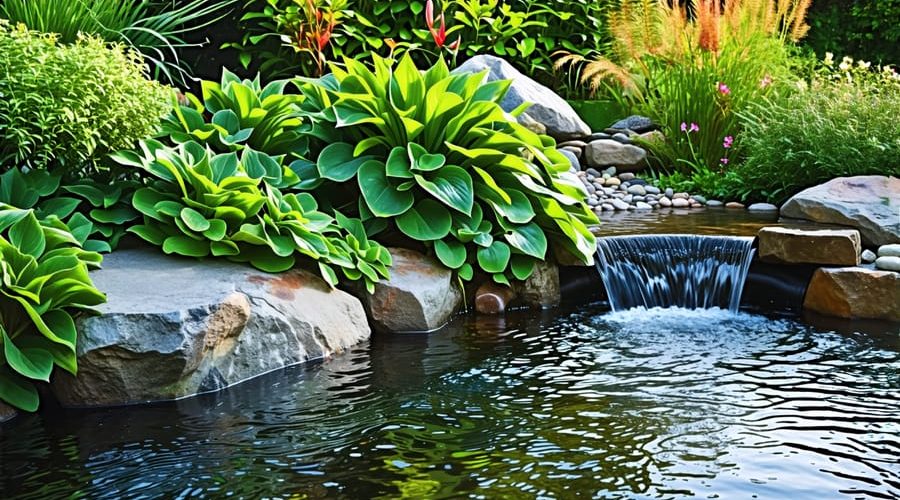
{"x":694,"y":272}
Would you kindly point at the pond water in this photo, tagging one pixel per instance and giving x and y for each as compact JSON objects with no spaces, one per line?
{"x":637,"y":404}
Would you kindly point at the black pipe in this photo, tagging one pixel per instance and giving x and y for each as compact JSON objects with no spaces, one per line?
{"x":776,"y":287}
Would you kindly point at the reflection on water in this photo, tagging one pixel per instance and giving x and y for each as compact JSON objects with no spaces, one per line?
{"x":658,"y":403}
{"x":709,"y":221}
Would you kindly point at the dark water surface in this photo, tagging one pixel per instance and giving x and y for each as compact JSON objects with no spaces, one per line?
{"x":640,"y":404}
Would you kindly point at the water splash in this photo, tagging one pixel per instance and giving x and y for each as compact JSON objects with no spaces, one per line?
{"x":692,"y":272}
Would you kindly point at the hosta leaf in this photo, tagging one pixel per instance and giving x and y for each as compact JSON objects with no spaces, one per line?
{"x":428,"y":220}
{"x":466,"y":272}
{"x":28,"y":236}
{"x":336,"y":162}
{"x":16,"y":391}
{"x":194,"y":220}
{"x":398,"y":164}
{"x":528,"y":239}
{"x":224,"y":248}
{"x":382,"y":198}
{"x":216,"y":230}
{"x":521,"y":266}
{"x":188,"y":247}
{"x":31,"y":363}
{"x":451,"y":253}
{"x":60,"y":206}
{"x":494,"y":258}
{"x":118,"y":215}
{"x":452,"y":186}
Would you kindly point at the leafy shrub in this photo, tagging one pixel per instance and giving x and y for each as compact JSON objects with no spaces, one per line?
{"x":434,"y":156}
{"x":64,"y":106}
{"x":45,"y":281}
{"x":843,"y":124}
{"x":239,"y":114}
{"x":702,"y":65}
{"x":226,"y":205}
{"x":278,"y":37}
{"x":865,"y":29}
{"x":146,"y":26}
{"x":95,"y":212}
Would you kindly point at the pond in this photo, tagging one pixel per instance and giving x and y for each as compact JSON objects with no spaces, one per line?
{"x":636,"y":404}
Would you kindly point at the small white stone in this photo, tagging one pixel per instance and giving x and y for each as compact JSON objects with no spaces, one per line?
{"x":762,"y":207}
{"x":868,"y":256}
{"x":889,"y":250}
{"x":680,"y":203}
{"x":889,"y":263}
{"x":643,"y":206}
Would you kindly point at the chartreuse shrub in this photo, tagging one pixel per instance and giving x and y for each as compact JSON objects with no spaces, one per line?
{"x":152,"y":28}
{"x":95,"y":212}
{"x":44,"y":282}
{"x":434,"y":156}
{"x":200,"y":203}
{"x":65,"y":106}
{"x":236,"y":114}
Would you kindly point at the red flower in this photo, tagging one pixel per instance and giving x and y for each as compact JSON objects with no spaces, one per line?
{"x":440,"y":34}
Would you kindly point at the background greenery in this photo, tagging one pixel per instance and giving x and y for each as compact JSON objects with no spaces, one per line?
{"x":863,"y":29}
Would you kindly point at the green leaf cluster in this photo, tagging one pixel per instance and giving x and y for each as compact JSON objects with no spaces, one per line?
{"x":524,"y":32}
{"x":66,"y":106}
{"x":436,"y":157}
{"x":200,"y":203}
{"x":44,"y":282}
{"x":95,"y":212}
{"x":154,"y":29}
{"x":236,"y":114}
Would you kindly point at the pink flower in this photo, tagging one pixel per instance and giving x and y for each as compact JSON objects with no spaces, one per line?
{"x":694,"y":127}
{"x":728,"y":142}
{"x":765,"y":82}
{"x":724,"y":161}
{"x":683,"y":127}
{"x":723,"y":89}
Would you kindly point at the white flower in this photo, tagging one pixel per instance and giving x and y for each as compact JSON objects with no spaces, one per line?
{"x":844,"y":66}
{"x":864,"y":64}
{"x":829,"y":58}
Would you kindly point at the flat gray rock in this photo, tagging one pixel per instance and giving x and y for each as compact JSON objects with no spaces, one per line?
{"x":175,"y":327}
{"x":868,"y":203}
{"x":548,"y":109}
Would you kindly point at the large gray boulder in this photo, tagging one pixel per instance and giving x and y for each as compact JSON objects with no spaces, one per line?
{"x":607,"y":152}
{"x":868,"y":203}
{"x":420,"y":296}
{"x":176,"y":327}
{"x":550,"y":110}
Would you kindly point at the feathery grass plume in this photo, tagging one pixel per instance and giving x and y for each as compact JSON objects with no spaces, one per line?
{"x":670,"y":57}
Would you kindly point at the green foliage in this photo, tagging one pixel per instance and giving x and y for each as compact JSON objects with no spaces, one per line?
{"x":226,"y":205}
{"x":434,"y":156}
{"x":865,"y":29}
{"x":95,"y":212}
{"x":525,"y":32}
{"x":701,"y":66}
{"x":843,"y":124}
{"x":146,"y":26}
{"x":65,"y":106}
{"x":236,"y":114}
{"x":45,"y":281}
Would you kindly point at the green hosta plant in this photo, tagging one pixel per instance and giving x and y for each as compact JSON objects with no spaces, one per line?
{"x":95,"y":212}
{"x":435,"y":156}
{"x":45,"y":281}
{"x":239,"y":114}
{"x":226,"y":205}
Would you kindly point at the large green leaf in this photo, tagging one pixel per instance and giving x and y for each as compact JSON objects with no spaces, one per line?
{"x":450,"y":252}
{"x":336,"y":162}
{"x":381,"y":196}
{"x":494,"y":258}
{"x":426,"y":221}
{"x":528,"y":239}
{"x":28,"y":236}
{"x":452,"y":186}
